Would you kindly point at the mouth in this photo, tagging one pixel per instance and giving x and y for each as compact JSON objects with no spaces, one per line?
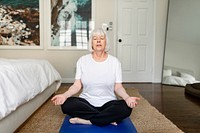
{"x":98,"y":45}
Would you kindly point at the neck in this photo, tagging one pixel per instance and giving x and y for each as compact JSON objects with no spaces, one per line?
{"x":99,"y":56}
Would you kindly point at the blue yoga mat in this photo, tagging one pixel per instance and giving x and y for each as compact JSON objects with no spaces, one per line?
{"x":126,"y":126}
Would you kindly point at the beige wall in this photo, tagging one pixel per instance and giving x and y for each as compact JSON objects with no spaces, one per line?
{"x":105,"y":11}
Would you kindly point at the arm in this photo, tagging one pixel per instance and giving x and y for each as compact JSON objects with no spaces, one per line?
{"x":120,"y":91}
{"x":60,"y":98}
{"x":130,"y":101}
{"x":75,"y":88}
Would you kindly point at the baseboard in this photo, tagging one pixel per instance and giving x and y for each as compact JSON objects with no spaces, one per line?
{"x":71,"y":80}
{"x":67,"y":80}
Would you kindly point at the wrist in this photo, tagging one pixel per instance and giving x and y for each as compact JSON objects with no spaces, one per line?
{"x":126,"y":98}
{"x":66,"y":95}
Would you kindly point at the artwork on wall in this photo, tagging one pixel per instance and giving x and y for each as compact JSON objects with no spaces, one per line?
{"x":71,"y":23}
{"x":20,"y":24}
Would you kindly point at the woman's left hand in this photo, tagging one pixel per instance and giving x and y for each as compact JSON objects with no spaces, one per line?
{"x":132,"y":101}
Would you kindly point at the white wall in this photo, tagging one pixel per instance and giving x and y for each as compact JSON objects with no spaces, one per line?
{"x":160,"y":28}
{"x":184,"y":56}
{"x":105,"y":10}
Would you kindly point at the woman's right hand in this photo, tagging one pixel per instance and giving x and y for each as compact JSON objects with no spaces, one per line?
{"x":58,"y":99}
{"x":61,"y":98}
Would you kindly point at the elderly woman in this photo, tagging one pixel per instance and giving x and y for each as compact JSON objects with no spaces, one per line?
{"x":99,"y":76}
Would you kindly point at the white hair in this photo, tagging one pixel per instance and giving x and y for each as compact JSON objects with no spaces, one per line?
{"x":100,"y":32}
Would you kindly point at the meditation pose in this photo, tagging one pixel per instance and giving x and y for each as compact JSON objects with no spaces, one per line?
{"x":99,"y":77}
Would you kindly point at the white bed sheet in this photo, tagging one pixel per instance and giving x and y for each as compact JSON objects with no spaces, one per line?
{"x":21,"y":80}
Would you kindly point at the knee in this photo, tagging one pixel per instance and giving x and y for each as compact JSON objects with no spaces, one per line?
{"x":128,"y":111}
{"x":65,"y":108}
{"x":67,"y":105}
{"x":125,"y":109}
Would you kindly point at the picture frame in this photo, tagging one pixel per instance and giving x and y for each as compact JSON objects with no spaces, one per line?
{"x":21,"y":24}
{"x":70,"y":24}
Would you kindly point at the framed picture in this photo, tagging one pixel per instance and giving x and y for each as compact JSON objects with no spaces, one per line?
{"x":20,"y":24}
{"x":71,"y":23}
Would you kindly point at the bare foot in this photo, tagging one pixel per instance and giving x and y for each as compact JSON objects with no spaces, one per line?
{"x":77,"y":120}
{"x":114,"y":123}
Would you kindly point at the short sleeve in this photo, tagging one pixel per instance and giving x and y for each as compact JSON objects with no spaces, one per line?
{"x":118,"y":72}
{"x":78,"y":69}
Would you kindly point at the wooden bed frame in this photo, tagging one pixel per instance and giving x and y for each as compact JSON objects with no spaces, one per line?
{"x":13,"y":121}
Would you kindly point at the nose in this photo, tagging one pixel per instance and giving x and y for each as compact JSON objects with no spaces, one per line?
{"x":98,"y":40}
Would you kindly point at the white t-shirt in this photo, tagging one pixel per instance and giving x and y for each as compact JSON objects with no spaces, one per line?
{"x":98,"y":78}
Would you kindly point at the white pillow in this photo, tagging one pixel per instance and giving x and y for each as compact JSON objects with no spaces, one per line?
{"x":167,"y":72}
{"x":187,"y":76}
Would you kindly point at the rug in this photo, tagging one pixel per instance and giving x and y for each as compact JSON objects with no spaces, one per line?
{"x":146,"y":118}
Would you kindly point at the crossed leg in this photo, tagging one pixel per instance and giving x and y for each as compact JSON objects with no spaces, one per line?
{"x":82,"y":112}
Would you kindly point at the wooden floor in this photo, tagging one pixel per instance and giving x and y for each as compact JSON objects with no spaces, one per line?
{"x":182,"y":109}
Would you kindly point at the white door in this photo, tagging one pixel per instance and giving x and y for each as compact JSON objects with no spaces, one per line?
{"x":135,"y":39}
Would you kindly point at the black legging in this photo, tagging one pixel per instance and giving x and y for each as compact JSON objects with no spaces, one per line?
{"x":112,"y":111}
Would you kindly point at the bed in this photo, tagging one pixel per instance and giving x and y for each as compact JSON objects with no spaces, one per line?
{"x":177,"y":76}
{"x":25,"y":84}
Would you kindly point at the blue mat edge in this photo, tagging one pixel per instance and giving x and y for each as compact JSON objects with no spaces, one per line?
{"x":72,"y":128}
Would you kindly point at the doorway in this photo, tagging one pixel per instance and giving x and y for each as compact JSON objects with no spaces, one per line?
{"x":135,"y":34}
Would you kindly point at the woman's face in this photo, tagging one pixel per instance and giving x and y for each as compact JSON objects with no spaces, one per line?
{"x":99,"y":43}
